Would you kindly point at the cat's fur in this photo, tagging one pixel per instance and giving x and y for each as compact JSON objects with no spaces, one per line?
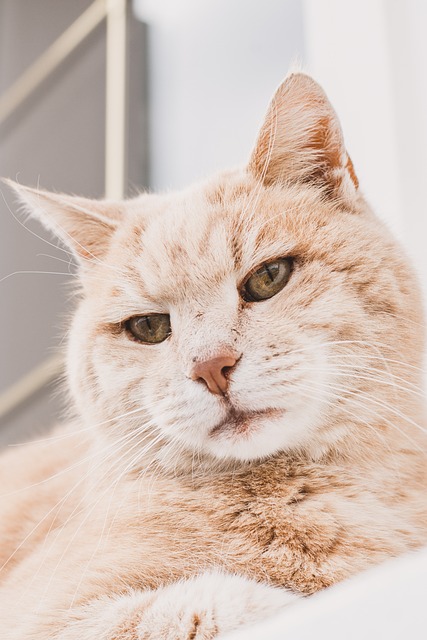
{"x":142,"y":520}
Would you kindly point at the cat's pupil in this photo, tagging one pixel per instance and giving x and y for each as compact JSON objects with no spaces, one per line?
{"x":268,"y":280}
{"x":270,"y":269}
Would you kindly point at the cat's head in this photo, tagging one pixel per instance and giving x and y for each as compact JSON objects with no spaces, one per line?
{"x":264,"y":310}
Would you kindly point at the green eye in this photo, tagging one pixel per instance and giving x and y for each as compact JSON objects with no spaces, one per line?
{"x":268,"y":280}
{"x":149,"y":329}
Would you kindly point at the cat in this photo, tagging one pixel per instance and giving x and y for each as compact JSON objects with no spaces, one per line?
{"x":244,"y":365}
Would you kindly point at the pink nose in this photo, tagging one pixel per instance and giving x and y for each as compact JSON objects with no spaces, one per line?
{"x":213,"y":371}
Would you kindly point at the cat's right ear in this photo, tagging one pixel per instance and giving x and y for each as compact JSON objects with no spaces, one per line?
{"x":301,"y":142}
{"x":85,"y":226}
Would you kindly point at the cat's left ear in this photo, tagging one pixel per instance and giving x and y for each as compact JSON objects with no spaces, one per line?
{"x":84,"y":225}
{"x":301,"y":142}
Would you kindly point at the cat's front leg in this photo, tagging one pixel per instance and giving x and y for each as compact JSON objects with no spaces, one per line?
{"x":196,"y":609}
{"x":208,"y":605}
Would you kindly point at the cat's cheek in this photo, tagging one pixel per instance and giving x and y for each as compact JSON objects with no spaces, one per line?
{"x":183,"y":410}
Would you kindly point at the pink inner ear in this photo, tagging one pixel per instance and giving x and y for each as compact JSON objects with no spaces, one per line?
{"x":351,"y":171}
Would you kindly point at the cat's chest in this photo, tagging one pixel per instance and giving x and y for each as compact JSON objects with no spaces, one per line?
{"x":236,"y":523}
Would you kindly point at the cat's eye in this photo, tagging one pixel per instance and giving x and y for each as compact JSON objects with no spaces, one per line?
{"x":268,"y":280}
{"x":149,"y":329}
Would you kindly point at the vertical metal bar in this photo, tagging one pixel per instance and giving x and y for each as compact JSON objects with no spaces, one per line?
{"x":115,"y":120}
{"x":115,"y":136}
{"x":10,"y":100}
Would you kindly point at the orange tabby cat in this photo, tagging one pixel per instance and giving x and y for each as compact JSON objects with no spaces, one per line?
{"x":244,"y":362}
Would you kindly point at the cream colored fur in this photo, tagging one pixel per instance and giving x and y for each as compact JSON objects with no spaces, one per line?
{"x":145,"y":519}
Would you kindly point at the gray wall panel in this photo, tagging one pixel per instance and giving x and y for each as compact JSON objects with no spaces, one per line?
{"x":55,"y":138}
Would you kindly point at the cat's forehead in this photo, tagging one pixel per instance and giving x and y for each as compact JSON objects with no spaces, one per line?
{"x":188,"y":244}
{"x":183,"y":249}
{"x":201,"y":236}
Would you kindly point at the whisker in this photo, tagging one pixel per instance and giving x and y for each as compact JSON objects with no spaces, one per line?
{"x":378,"y":435}
{"x":111,"y":488}
{"x":110,"y":446}
{"x":349,"y":372}
{"x":367,"y":398}
{"x":24,"y":272}
{"x":89,"y":474}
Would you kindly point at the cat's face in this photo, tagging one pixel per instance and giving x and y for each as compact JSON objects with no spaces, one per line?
{"x":269,"y":292}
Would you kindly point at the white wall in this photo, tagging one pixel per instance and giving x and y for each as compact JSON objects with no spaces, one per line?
{"x":371,"y":57}
{"x":407,"y":28}
{"x":348,"y":53}
{"x":214,"y":67}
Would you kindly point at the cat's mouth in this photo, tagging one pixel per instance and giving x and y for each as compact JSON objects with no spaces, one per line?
{"x":243,"y":422}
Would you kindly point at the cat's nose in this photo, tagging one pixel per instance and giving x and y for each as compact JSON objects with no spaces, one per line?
{"x":213,"y":372}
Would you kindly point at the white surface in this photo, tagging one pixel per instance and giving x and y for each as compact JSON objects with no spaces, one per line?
{"x":385,"y":603}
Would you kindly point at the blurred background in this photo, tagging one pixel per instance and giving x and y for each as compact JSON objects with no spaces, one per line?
{"x":111,"y":96}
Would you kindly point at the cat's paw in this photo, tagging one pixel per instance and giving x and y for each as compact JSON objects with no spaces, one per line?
{"x":200,"y":608}
{"x":208,"y":605}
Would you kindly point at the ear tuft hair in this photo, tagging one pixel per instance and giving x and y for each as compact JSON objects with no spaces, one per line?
{"x":84,"y":225}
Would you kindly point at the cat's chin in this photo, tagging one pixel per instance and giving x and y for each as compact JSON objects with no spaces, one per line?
{"x":242,"y":423}
{"x":246,"y":435}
